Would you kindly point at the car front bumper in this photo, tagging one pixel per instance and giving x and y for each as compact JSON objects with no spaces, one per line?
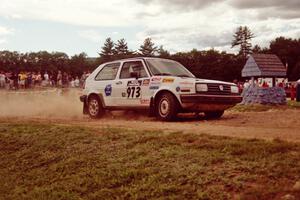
{"x":201,"y":102}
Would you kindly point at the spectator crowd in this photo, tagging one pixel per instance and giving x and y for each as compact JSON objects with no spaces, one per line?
{"x":32,"y":80}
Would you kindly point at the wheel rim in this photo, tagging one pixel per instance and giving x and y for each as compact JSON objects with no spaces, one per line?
{"x":93,"y":107}
{"x":164,"y":107}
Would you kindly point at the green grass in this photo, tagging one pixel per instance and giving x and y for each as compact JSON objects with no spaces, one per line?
{"x":293,"y":104}
{"x":263,"y":108}
{"x":60,"y":162}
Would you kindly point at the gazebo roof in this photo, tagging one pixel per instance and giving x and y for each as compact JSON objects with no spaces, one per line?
{"x":264,"y":65}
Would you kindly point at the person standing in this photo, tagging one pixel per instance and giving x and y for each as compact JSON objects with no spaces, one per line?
{"x":46,"y":78}
{"x":22,"y":79}
{"x":298,"y":91}
{"x":39,"y":79}
{"x":59,"y":79}
{"x":15,"y":80}
{"x":77,"y":82}
{"x":2,"y":79}
{"x":82,"y":79}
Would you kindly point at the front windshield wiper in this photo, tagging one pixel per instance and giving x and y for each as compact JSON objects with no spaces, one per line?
{"x":162,"y":74}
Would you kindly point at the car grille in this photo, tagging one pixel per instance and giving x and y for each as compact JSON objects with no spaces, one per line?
{"x":214,"y":89}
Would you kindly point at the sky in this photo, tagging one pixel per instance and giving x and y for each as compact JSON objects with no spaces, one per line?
{"x":75,"y":26}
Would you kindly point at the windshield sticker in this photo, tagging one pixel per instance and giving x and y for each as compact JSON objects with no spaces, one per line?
{"x":108,"y":90}
{"x":134,"y":83}
{"x":154,"y":87}
{"x":168,"y":80}
{"x":146,"y":82}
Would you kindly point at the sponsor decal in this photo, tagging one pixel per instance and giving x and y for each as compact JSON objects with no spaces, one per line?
{"x":145,"y":101}
{"x":177,"y":89}
{"x":168,"y":80}
{"x":156,"y":79}
{"x":186,"y":83}
{"x":108,"y":90}
{"x":155,"y":83}
{"x":154,"y":87}
{"x":134,"y":83}
{"x":146,"y":82}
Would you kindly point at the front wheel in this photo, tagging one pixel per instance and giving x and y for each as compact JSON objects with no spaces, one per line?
{"x":214,"y":114}
{"x":166,"y":107}
{"x":95,"y":108}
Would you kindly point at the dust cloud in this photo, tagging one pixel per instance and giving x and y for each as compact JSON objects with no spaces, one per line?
{"x":52,"y":103}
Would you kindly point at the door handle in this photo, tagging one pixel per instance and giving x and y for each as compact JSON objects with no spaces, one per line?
{"x":119,"y":83}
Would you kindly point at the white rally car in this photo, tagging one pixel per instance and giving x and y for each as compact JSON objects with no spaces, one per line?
{"x":163,"y":87}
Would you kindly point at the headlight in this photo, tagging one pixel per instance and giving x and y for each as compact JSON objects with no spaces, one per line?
{"x":201,"y":88}
{"x":234,"y":89}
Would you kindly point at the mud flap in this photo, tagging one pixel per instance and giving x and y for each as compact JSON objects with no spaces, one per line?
{"x":85,"y":108}
{"x":152,"y":108}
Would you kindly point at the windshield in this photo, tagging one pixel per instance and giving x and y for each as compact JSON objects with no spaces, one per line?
{"x":167,"y":68}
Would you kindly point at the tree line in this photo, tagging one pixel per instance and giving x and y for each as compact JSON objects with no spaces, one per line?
{"x":211,"y":64}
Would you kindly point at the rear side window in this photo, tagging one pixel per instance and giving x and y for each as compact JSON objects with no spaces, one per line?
{"x":133,"y":66}
{"x":108,"y":72}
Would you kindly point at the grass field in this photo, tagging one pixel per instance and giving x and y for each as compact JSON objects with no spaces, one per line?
{"x":44,"y":161}
{"x":263,"y":108}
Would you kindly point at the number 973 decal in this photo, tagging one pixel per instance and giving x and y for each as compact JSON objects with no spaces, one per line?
{"x":133,"y":92}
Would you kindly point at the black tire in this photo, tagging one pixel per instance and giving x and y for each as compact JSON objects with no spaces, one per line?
{"x":214,"y":114}
{"x":94,"y":107}
{"x":166,"y":107}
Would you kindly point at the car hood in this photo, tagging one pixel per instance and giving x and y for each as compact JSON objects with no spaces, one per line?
{"x":198,"y":80}
{"x":213,"y":81}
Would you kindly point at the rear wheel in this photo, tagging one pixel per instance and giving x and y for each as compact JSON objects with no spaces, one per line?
{"x":95,"y":108}
{"x":166,"y":107}
{"x":214,"y":114}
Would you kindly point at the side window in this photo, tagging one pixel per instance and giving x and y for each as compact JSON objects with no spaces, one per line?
{"x":134,"y":66}
{"x":108,"y":72}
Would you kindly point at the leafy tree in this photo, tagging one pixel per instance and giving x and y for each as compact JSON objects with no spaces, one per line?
{"x":148,"y":48}
{"x":242,"y":38}
{"x":287,"y":50}
{"x":107,"y":51}
{"x":256,"y":49}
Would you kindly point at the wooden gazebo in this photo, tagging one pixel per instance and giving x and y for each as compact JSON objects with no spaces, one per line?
{"x":264,"y":66}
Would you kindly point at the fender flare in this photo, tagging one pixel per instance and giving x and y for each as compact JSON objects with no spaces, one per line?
{"x":161,"y":90}
{"x":100,"y":96}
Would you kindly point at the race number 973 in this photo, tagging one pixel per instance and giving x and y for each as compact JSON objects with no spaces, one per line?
{"x":134,"y":92}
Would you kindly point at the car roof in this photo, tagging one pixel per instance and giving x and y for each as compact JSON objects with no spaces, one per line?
{"x":138,"y":58}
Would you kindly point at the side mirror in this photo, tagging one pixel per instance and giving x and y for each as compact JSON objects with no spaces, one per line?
{"x":134,"y":75}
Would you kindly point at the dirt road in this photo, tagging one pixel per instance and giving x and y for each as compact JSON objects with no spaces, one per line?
{"x":50,"y":108}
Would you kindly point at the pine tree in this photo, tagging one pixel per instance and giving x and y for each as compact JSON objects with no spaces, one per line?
{"x":242,"y":38}
{"x":107,"y":51}
{"x":148,"y":48}
{"x":162,"y":52}
{"x":121,"y":49}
